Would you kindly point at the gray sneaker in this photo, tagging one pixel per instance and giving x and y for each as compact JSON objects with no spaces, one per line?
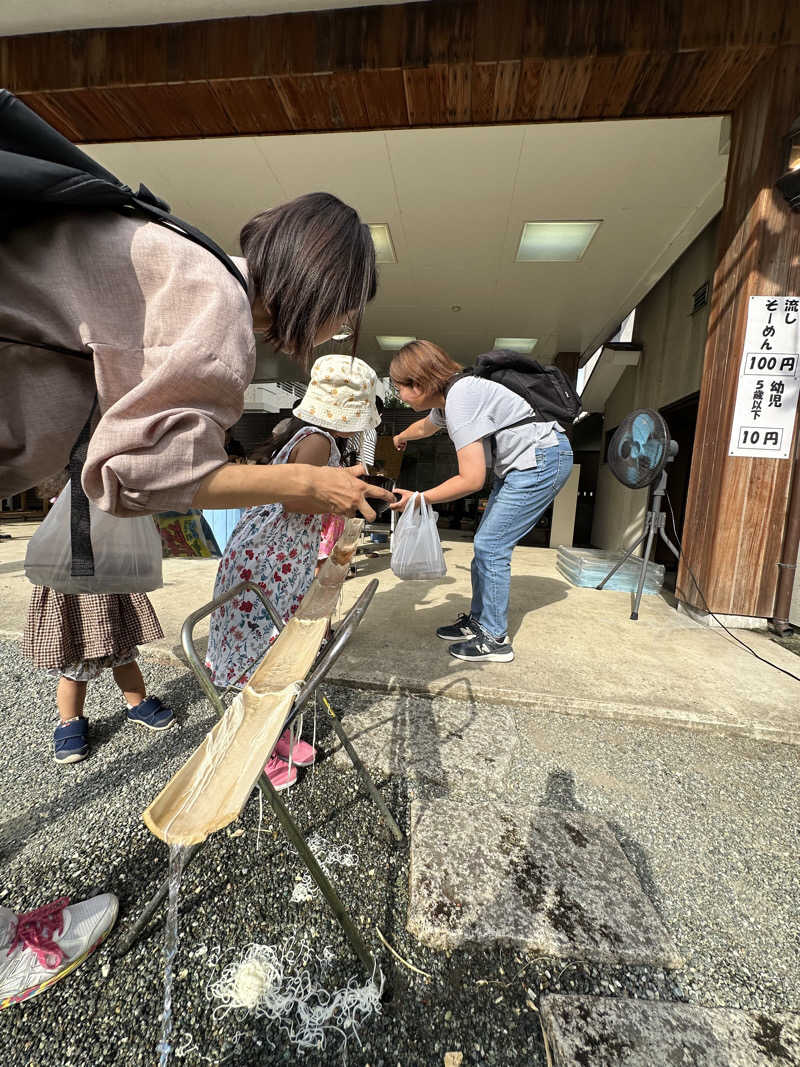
{"x":482,"y":648}
{"x":465,"y":628}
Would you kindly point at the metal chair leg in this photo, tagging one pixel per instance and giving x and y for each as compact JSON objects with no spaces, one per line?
{"x":149,"y":911}
{"x":287,"y":823}
{"x":291,"y":830}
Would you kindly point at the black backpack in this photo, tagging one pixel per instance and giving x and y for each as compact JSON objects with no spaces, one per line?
{"x":41,"y":174}
{"x":547,"y":389}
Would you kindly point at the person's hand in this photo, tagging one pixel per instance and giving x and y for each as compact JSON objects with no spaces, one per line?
{"x":405,"y":495}
{"x":399,"y":443}
{"x":336,"y":491}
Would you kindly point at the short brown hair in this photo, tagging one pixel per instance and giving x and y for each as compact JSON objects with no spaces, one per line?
{"x":310,"y":260}
{"x":424,"y":365}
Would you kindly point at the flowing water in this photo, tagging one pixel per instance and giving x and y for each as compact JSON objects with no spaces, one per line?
{"x":177,"y":855}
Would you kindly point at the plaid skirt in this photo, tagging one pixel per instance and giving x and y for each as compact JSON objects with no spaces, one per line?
{"x":65,"y":628}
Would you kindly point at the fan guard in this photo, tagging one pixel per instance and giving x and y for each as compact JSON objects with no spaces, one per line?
{"x":640,"y":448}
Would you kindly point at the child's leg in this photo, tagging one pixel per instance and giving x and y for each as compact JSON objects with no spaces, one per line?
{"x":143,"y":710}
{"x":129,"y":678}
{"x":70,"y":696}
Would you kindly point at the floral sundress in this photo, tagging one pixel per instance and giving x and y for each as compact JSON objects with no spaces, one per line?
{"x":277,"y":550}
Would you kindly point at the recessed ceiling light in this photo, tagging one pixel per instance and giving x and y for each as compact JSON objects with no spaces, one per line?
{"x":382,"y":239}
{"x":552,"y":242}
{"x":392,"y":344}
{"x":516,"y":344}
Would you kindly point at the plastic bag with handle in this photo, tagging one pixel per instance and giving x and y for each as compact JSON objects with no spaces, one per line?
{"x":127,"y":552}
{"x":416,"y":550}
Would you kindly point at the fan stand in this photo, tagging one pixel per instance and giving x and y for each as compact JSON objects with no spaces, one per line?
{"x":654,"y":523}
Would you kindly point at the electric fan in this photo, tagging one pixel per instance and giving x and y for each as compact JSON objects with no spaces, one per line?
{"x":638,"y":456}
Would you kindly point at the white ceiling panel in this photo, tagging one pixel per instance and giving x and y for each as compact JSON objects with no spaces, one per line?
{"x":456,"y":200}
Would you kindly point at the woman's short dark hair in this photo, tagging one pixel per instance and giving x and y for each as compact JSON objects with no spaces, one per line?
{"x":310,"y":260}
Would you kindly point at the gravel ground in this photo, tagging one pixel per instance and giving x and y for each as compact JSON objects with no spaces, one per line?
{"x":709,"y":823}
{"x":792,"y":642}
{"x":77,"y":830}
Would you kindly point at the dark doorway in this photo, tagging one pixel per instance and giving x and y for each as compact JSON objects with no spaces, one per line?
{"x":682,"y":422}
{"x":587,"y":441}
{"x":587,"y":488}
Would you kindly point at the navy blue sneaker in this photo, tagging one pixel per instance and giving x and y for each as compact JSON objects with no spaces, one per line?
{"x":483,"y":648}
{"x":464,"y":629}
{"x":71,"y":741}
{"x":152,"y":714}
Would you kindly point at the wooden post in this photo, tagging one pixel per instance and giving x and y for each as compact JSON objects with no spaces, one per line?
{"x":736,"y":510}
{"x":568,"y":362}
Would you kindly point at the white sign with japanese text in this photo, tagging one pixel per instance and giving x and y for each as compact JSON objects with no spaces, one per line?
{"x":769,"y":379}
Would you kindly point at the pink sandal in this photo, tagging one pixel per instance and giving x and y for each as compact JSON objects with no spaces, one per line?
{"x":303,"y":754}
{"x":279,"y":773}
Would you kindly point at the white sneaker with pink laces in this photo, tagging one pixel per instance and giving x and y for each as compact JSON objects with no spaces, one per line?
{"x":37,"y":948}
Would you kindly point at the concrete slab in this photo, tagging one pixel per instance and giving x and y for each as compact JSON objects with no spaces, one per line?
{"x":552,"y":882}
{"x":578,"y":653}
{"x":589,"y":1031}
{"x":448,"y":750}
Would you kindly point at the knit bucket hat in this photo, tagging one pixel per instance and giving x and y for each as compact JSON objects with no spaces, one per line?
{"x":340,"y":395}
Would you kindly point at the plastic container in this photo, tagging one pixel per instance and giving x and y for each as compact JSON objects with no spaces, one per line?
{"x":587,"y":567}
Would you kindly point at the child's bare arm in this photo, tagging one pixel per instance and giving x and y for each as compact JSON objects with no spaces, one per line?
{"x":314,"y":450}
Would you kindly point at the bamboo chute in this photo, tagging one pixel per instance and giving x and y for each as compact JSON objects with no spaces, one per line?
{"x":211,"y":788}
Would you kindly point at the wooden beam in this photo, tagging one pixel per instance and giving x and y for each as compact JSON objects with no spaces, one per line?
{"x":568,"y":362}
{"x":454,"y":62}
{"x":737,"y":506}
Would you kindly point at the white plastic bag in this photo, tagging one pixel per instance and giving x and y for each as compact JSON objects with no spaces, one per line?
{"x":416,"y":550}
{"x":127,"y":552}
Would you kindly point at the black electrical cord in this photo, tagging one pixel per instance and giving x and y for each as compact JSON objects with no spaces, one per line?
{"x":719,"y":621}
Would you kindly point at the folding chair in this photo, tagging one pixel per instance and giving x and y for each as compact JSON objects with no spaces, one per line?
{"x":325,"y":660}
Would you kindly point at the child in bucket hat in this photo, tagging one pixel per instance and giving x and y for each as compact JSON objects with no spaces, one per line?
{"x":278,"y":549}
{"x":340,"y":395}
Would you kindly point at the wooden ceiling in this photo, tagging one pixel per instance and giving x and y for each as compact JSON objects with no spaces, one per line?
{"x":426,"y":64}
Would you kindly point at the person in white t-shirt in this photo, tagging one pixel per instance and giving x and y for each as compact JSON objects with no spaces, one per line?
{"x":491,"y":428}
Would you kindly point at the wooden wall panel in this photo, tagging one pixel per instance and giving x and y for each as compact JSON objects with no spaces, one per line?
{"x":453,"y":62}
{"x":252,"y":105}
{"x":500,"y":32}
{"x":459,"y":93}
{"x":655,"y":26}
{"x":49,"y":106}
{"x":323,"y":101}
{"x":484,"y":80}
{"x":506,"y":87}
{"x":384,"y":93}
{"x":736,"y":508}
{"x":426,"y":94}
{"x":92,"y":112}
{"x":612,"y":83}
{"x":528,"y":89}
{"x":562,"y":87}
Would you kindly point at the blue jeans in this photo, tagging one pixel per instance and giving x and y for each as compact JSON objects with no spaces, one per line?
{"x":515,"y":506}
